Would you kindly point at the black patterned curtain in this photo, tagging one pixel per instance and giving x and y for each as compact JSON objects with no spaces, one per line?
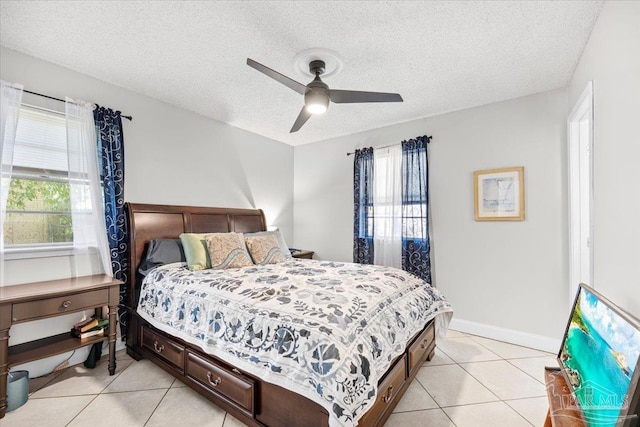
{"x":111,"y":165}
{"x":363,"y":206}
{"x":415,"y":208}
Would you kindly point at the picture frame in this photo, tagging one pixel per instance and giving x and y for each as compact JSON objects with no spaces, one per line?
{"x":499,"y":194}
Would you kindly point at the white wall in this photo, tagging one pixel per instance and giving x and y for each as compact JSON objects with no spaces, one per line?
{"x":611,"y":60}
{"x":172,"y":156}
{"x":507,"y":280}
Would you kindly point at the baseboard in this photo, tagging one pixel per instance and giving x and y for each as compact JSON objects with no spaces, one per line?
{"x":525,"y":339}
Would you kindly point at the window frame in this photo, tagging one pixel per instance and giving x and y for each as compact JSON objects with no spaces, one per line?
{"x":381,"y":157}
{"x":45,"y":249}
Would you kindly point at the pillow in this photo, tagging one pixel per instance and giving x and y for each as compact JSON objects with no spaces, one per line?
{"x":227,"y":250}
{"x":265,"y":249}
{"x":195,"y":251}
{"x":161,"y":252}
{"x":281,"y":243}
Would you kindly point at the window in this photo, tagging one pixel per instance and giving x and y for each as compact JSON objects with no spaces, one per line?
{"x":393,"y":217}
{"x":391,"y":204}
{"x":385,"y":217}
{"x":38,"y":205}
{"x":415,"y":209}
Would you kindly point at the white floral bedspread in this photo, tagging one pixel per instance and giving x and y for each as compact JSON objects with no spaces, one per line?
{"x":325,"y":330}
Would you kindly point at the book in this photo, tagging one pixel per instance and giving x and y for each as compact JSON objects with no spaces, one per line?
{"x":93,"y":323}
{"x":83,"y":323}
{"x":95,"y":326}
{"x":91,"y":333}
{"x":87,"y":326}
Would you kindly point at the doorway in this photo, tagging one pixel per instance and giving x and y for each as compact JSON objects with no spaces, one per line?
{"x":580,"y":156}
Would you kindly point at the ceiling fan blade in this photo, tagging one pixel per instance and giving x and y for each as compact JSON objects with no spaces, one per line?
{"x":301,"y":120}
{"x":353,"y":96}
{"x":290,"y":83}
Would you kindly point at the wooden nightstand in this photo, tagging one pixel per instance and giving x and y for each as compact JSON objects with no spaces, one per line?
{"x":34,"y":301}
{"x":302,"y":254}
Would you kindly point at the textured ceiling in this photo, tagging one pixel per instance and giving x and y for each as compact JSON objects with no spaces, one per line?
{"x":440,"y":56}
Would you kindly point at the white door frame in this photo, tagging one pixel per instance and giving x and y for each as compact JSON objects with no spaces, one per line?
{"x":580,"y":159}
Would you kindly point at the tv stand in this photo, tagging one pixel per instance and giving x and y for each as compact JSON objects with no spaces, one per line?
{"x":563,"y":411}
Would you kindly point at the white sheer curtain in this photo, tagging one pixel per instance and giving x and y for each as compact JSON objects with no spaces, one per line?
{"x":10,"y":99}
{"x":387,"y":206}
{"x":87,"y":207}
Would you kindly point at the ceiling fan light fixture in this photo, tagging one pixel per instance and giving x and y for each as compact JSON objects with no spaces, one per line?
{"x":316,"y":108}
{"x":317,"y":94}
{"x":316,"y":102}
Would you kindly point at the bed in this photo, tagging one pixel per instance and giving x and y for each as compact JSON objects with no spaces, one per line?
{"x":297,"y":343}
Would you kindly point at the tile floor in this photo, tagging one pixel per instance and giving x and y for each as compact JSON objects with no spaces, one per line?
{"x":471,"y":381}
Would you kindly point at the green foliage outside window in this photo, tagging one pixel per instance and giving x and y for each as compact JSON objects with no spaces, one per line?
{"x":38,"y":212}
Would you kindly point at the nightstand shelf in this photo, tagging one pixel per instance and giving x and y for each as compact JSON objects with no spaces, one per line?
{"x":50,"y":346}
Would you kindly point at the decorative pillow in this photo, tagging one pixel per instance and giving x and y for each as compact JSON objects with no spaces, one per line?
{"x":284,"y":249}
{"x":161,"y":252}
{"x":265,"y":249}
{"x":195,"y":251}
{"x":227,"y":250}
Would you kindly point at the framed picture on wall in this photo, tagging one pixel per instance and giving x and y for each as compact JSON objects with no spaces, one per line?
{"x":499,"y":194}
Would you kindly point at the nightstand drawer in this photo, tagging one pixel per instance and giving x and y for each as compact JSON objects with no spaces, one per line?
{"x":422,"y":346}
{"x":222,"y":381}
{"x":164,"y":347}
{"x":38,"y":309}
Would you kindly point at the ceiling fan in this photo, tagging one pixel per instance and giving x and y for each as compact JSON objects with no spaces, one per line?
{"x":317,"y":94}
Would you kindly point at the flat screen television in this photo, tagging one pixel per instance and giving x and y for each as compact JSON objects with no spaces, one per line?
{"x":600,"y":359}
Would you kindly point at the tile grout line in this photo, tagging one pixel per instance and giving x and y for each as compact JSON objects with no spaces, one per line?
{"x":83,"y":409}
{"x":501,"y":358}
{"x":501,"y":400}
{"x":436,"y":402}
{"x":158,"y":404}
{"x":481,"y":383}
{"x":94,"y":396}
{"x":518,"y":412}
{"x":517,"y":367}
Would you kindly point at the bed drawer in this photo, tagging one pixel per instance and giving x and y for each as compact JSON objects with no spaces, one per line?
{"x":421,"y":346}
{"x":221,"y":381}
{"x":58,"y":305}
{"x":387,"y":391}
{"x":164,"y":347}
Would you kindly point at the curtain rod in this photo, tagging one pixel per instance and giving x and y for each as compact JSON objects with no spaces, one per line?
{"x":391,"y":145}
{"x":62,"y":100}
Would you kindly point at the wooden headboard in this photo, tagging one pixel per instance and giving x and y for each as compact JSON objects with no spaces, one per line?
{"x":148,"y":222}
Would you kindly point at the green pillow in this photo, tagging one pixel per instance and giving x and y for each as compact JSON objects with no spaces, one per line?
{"x":195,"y":251}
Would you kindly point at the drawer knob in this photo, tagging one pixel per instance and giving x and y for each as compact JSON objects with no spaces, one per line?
{"x":158,"y":348}
{"x":215,"y":382}
{"x":66,"y":304}
{"x":387,"y":398}
{"x":424,"y":344}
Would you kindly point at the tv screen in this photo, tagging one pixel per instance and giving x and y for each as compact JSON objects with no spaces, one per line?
{"x":599,"y":357}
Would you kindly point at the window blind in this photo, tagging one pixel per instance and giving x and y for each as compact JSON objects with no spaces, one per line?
{"x":41,"y":143}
